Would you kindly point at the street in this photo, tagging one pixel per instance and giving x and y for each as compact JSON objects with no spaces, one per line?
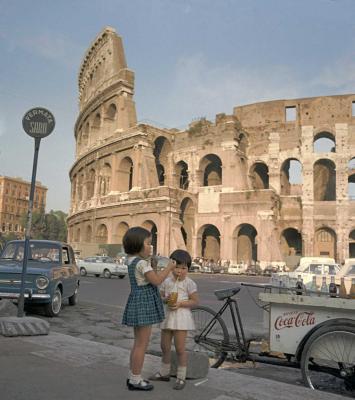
{"x":97,"y":317}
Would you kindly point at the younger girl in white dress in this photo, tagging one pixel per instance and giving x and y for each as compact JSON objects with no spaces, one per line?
{"x":178,"y":320}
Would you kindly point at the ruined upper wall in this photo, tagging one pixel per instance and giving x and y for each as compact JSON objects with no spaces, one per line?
{"x":316,"y":111}
{"x":104,"y":64}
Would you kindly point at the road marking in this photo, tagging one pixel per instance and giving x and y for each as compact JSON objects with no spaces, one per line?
{"x":201,"y":382}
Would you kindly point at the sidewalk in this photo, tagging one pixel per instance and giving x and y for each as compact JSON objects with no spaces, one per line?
{"x":58,"y":366}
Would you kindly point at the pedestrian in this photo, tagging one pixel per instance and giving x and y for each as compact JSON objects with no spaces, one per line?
{"x":178,"y":319}
{"x":144,"y":305}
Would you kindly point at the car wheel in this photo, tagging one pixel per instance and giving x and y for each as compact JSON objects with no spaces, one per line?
{"x":74,"y":298}
{"x":107,"y":274}
{"x":83,"y":271}
{"x":121,"y":276}
{"x":53,"y":308}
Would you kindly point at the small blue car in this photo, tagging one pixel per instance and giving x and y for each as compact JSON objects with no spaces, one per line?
{"x":52,"y":274}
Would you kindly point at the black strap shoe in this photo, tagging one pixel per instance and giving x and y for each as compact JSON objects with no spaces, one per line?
{"x":142,"y":385}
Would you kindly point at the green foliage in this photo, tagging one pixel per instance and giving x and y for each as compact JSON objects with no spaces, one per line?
{"x":50,"y":226}
{"x":5,"y":238}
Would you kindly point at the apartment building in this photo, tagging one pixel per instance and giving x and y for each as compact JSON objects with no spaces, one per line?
{"x":14,"y":196}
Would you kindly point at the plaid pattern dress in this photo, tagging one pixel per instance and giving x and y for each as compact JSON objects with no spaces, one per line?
{"x":144,"y":305}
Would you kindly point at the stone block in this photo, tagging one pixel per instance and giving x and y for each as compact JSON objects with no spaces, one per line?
{"x":7,"y":308}
{"x":197,"y":365}
{"x":23,"y":326}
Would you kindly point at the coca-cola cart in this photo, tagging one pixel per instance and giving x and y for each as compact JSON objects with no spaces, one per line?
{"x":318,"y":332}
{"x":315,"y":333}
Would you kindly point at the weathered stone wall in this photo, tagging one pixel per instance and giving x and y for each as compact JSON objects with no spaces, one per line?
{"x":221,"y":189}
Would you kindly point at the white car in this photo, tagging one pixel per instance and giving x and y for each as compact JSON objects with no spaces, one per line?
{"x":102,"y":265}
{"x":237,"y":269}
{"x":348,"y":272}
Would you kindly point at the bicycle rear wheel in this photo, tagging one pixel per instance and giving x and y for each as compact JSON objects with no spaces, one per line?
{"x":208,"y":339}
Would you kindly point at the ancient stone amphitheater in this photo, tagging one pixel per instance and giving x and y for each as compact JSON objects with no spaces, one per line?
{"x":270,"y":182}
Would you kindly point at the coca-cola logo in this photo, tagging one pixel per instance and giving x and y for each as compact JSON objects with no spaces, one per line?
{"x":302,"y":318}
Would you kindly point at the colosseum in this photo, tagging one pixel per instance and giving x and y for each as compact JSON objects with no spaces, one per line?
{"x":268,"y":183}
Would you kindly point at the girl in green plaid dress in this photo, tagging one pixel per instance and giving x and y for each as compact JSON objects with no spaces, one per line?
{"x":144,"y":305}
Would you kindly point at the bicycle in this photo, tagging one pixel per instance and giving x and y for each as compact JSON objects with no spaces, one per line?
{"x":324,"y":350}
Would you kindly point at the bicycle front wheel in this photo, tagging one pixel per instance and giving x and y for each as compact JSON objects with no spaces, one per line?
{"x":210,"y":335}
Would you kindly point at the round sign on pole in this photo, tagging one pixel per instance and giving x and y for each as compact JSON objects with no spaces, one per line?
{"x":38,"y":122}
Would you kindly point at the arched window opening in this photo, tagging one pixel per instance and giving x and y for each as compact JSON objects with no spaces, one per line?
{"x":324,"y":142}
{"x":291,"y":178}
{"x":324,"y":180}
{"x":351,"y":179}
{"x":162,"y":148}
{"x":211,"y":167}
{"x":102,"y":235}
{"x":187,"y":217}
{"x":90,"y":190}
{"x":260,"y":176}
{"x":325,"y":243}
{"x":243,"y":143}
{"x":210,"y":243}
{"x":124,"y":175}
{"x":97,"y":121}
{"x":352,"y":244}
{"x":105,"y":179}
{"x":291,"y":243}
{"x":80,"y":186}
{"x":152,"y":228}
{"x":112,"y":111}
{"x":182,"y":175}
{"x":244,"y":244}
{"x":77,"y":235}
{"x":121,"y":230}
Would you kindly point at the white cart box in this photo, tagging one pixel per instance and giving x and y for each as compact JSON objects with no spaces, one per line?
{"x":292,"y":317}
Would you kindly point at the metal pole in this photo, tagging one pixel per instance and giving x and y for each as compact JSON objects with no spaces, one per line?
{"x":21,"y":300}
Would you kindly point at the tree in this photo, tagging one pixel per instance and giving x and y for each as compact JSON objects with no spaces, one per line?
{"x":50,"y":226}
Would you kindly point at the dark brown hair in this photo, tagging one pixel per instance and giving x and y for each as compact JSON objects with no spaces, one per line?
{"x":133,"y":239}
{"x":181,"y":257}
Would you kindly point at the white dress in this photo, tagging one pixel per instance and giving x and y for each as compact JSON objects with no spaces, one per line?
{"x":180,"y":319}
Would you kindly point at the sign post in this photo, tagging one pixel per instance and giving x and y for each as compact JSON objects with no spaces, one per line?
{"x":37,"y":123}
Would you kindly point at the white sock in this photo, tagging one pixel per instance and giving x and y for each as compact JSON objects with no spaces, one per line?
{"x":136,"y":379}
{"x":164,"y":369}
{"x":181,"y":373}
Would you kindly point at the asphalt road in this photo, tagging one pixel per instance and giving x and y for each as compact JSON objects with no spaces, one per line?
{"x":114,"y":292}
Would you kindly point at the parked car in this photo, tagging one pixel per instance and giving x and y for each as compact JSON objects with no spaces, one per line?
{"x":348,"y":272}
{"x":237,"y":269}
{"x":102,"y":265}
{"x":52,"y":274}
{"x":195,"y":267}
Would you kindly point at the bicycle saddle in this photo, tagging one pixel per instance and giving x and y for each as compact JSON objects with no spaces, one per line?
{"x":226,"y":293}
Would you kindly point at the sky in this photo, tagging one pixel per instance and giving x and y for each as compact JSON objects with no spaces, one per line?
{"x":191,"y":58}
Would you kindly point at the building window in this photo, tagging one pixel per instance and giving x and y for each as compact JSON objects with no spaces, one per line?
{"x":290,"y":114}
{"x":353,"y":109}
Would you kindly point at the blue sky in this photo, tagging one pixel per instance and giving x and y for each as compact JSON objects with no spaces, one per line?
{"x":191,"y":58}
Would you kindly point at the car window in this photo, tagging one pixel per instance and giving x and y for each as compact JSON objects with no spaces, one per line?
{"x":315,"y":269}
{"x":351,"y":270}
{"x":65,"y":256}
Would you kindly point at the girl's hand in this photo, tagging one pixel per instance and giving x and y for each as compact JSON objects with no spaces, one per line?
{"x":174,"y":307}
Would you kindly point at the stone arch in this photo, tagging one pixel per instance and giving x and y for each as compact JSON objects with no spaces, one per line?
{"x":90,"y":184}
{"x":125,"y":175}
{"x":77,"y":236}
{"x":211,"y":170}
{"x":324,"y":142}
{"x":102,"y":234}
{"x":122,"y":228}
{"x":85,"y":134}
{"x":291,"y":177}
{"x":111,"y":111}
{"x":243,"y":142}
{"x":352,"y":244}
{"x":97,"y":120}
{"x":105,"y":179}
{"x":80,"y":185}
{"x":259,"y":173}
{"x":291,"y":243}
{"x":182,"y":175}
{"x":324,"y":180}
{"x":325,"y":240}
{"x":351,"y":179}
{"x":88,"y":234}
{"x":152,"y":228}
{"x":162,"y":148}
{"x":187,"y":217}
{"x":244,"y":244}
{"x":210,"y":242}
